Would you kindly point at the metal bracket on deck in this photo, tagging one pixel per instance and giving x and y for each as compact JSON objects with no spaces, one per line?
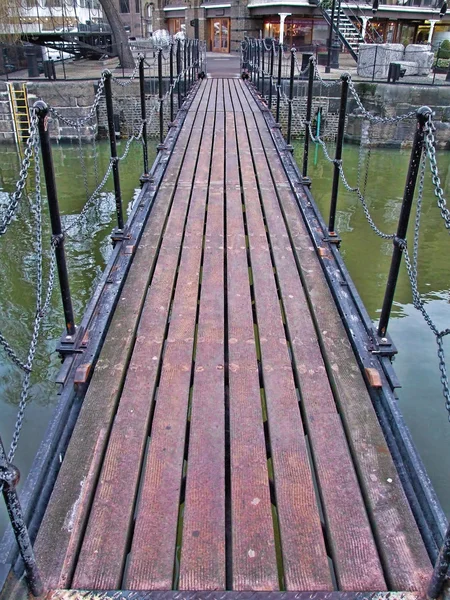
{"x":306,"y":181}
{"x":382,"y":346}
{"x":333,"y":238}
{"x":69,"y":344}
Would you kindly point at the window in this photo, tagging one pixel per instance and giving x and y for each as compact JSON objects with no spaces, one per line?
{"x":138,"y":6}
{"x":124,"y":6}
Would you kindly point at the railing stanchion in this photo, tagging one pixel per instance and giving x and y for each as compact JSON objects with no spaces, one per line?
{"x":272,"y":48}
{"x":439,"y":576}
{"x":112,"y":143}
{"x":263,"y":53}
{"x":291,"y":96}
{"x":9,"y":477}
{"x":184,"y":69}
{"x":171,"y":81}
{"x":308,"y":116}
{"x":143,"y":113}
{"x":280,"y":62}
{"x":408,"y":196}
{"x":57,"y":233}
{"x":338,"y":155}
{"x":178,"y":73}
{"x":161,"y":104}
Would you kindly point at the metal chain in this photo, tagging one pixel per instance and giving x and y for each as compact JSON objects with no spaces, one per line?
{"x":374,"y":118}
{"x":41,"y":308}
{"x":431,"y":152}
{"x":92,"y":110}
{"x":16,"y":196}
{"x":132,"y":76}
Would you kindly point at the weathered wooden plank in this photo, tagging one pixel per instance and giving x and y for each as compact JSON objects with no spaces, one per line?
{"x":220,"y":100}
{"x":103,"y":554}
{"x":213,"y":96}
{"x":353,"y":548}
{"x":202,"y":565}
{"x":152,"y":556}
{"x":401,"y":549}
{"x":227,"y":104}
{"x":303,"y":549}
{"x":253,"y":544}
{"x":59,"y":537}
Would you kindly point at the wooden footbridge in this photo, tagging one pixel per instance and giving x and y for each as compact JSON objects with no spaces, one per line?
{"x":228,"y":441}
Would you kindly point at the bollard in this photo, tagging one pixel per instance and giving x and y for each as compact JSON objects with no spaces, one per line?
{"x":291,"y":96}
{"x":402,"y":228}
{"x":112,"y":143}
{"x":338,"y":155}
{"x":57,"y":234}
{"x":143,"y":113}
{"x":308,"y":116}
{"x":280,"y":62}
{"x":178,"y":58}
{"x":9,"y":478}
{"x":171,"y":81}
{"x":272,"y":48}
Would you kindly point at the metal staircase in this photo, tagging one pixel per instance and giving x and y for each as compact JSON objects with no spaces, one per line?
{"x":348,"y":33}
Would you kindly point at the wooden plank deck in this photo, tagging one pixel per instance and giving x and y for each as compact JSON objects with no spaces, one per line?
{"x":227,"y":440}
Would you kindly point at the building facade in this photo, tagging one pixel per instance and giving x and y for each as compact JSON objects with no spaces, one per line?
{"x":223,"y":25}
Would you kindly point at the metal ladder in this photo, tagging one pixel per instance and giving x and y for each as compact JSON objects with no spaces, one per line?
{"x":18,"y":99}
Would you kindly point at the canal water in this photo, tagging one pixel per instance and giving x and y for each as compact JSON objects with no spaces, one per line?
{"x":367,"y":258}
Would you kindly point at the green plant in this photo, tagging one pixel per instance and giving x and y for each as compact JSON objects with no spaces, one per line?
{"x":444,"y":50}
{"x":442,"y":63}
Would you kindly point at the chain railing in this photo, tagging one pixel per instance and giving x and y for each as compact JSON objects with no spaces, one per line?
{"x":174,"y":70}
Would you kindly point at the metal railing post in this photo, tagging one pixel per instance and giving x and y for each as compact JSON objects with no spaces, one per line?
{"x":143,"y":113}
{"x":57,"y":234}
{"x":338,"y":154}
{"x":161,"y":105}
{"x":291,"y":96}
{"x":263,"y":53}
{"x":179,"y":72}
{"x":308,"y":116}
{"x":112,"y":143}
{"x":439,"y":576}
{"x":9,"y":478}
{"x":280,"y":62}
{"x":171,"y":81}
{"x":258,"y":63}
{"x":272,"y":48}
{"x":408,"y":196}
{"x":184,"y":69}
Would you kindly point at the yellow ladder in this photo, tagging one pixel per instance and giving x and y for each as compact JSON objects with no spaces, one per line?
{"x":18,"y":98}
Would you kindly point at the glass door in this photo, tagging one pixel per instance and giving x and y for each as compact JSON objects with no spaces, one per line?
{"x":220,"y":35}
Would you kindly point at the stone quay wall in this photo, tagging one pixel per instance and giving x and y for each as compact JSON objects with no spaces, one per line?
{"x":73,"y":99}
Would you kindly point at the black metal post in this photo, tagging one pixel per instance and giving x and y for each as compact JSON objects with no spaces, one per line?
{"x":250,"y":59}
{"x":258,"y":63}
{"x":143,"y":113}
{"x":263,"y":53}
{"x":161,"y":105}
{"x":112,"y":143}
{"x":9,"y":477}
{"x":179,"y":72}
{"x":375,"y":63}
{"x":408,"y":196}
{"x":330,"y":38}
{"x":291,"y":96}
{"x":57,"y":234}
{"x":184,"y":66}
{"x":280,"y":62}
{"x":308,"y":116}
{"x":440,"y":571}
{"x":121,"y":59}
{"x":338,"y":155}
{"x":272,"y":49}
{"x":171,"y":81}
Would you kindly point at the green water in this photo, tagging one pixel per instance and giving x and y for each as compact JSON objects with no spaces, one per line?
{"x":368,"y":258}
{"x":88,"y":247}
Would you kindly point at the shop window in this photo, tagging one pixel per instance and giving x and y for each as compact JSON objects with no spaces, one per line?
{"x":124,"y":6}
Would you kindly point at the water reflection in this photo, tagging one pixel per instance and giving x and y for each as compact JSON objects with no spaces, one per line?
{"x":88,"y":247}
{"x":368,"y":258}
